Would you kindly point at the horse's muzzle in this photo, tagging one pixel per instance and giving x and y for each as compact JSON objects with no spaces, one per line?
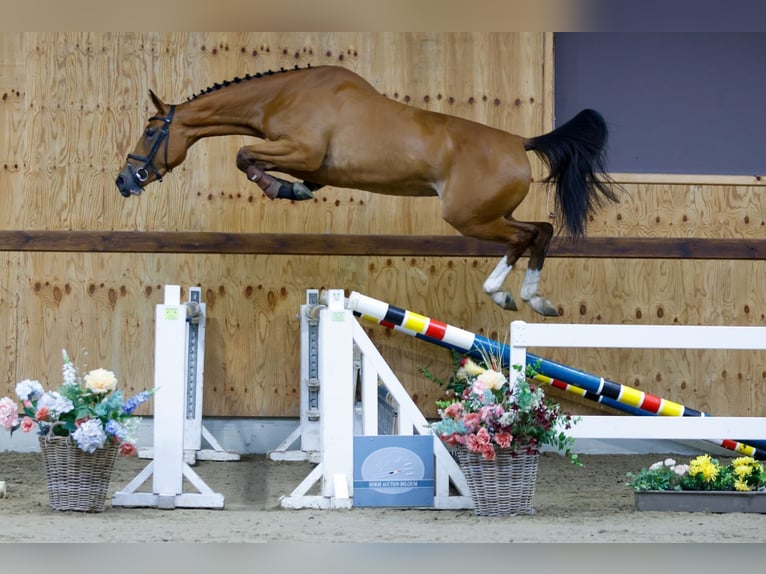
{"x":127,"y":184}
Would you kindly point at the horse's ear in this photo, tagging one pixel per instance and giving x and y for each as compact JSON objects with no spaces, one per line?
{"x":161,"y":106}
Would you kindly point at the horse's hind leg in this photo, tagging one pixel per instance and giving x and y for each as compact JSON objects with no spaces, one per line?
{"x":529,"y":288}
{"x":493,"y":286}
{"x":536,"y":236}
{"x":518,"y":236}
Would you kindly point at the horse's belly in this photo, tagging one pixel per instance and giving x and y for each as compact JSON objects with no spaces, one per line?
{"x":390,"y":170}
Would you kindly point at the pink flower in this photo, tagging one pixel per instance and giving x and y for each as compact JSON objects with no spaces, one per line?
{"x":472,"y":421}
{"x":42,"y":414}
{"x":503,"y":439}
{"x":488,"y":452}
{"x":27,"y":424}
{"x":478,"y":387}
{"x":450,"y":439}
{"x":473,"y":443}
{"x":490,"y":412}
{"x":454,"y":411}
{"x":127,"y":449}
{"x":483,"y":436}
{"x":9,"y":413}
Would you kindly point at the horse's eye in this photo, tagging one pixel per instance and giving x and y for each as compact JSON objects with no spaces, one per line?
{"x":150,"y":132}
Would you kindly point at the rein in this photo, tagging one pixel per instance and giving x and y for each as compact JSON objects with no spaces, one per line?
{"x":142,"y":173}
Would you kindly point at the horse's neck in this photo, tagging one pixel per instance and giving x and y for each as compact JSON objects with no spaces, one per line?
{"x":232,"y":110}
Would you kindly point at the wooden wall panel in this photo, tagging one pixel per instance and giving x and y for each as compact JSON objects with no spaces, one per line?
{"x":9,"y":300}
{"x":99,"y":303}
{"x":85,"y":104}
{"x":73,"y":104}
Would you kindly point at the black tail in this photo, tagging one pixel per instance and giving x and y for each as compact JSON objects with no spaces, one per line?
{"x":576,"y":157}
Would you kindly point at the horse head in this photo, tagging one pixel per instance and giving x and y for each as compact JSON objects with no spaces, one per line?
{"x":157,"y":152}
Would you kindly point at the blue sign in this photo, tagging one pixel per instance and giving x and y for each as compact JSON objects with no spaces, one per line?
{"x":394,"y":470}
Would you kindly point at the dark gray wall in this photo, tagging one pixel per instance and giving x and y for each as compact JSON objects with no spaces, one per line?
{"x":674,"y":102}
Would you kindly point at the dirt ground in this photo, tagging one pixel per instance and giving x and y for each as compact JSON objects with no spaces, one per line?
{"x":587,"y":504}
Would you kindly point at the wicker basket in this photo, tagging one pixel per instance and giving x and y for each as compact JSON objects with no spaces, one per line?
{"x":77,"y":480}
{"x":501,"y":487}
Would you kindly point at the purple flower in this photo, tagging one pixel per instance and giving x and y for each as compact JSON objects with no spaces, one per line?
{"x":132,"y":403}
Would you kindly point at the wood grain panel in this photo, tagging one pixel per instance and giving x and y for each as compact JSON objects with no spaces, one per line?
{"x":83,"y":267}
{"x":9,"y":317}
{"x":97,"y":302}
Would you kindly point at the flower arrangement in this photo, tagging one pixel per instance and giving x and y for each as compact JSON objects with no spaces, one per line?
{"x":704,"y":472}
{"x":89,"y":409}
{"x":491,"y":409}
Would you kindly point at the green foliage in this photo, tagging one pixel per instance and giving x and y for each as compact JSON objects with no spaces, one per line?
{"x":662,"y":478}
{"x":703,"y":473}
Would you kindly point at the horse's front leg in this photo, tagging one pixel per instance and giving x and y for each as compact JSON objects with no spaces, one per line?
{"x":277,"y":188}
{"x":281,"y":154}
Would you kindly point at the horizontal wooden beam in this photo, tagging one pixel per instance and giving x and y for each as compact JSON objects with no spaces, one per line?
{"x":372,"y":245}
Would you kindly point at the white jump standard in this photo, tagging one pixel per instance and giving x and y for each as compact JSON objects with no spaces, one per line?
{"x":168,"y":469}
{"x":340,"y":340}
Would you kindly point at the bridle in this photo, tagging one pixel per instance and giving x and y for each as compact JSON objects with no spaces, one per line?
{"x":141,"y":174}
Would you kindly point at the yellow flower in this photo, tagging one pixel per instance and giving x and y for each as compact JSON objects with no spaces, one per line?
{"x":743,"y":470}
{"x":704,"y":465}
{"x":472,"y":368}
{"x":741,"y":485}
{"x":100,"y":381}
{"x":743,"y":461}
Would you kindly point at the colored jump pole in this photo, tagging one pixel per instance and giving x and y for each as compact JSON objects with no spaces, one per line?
{"x":591,"y":387}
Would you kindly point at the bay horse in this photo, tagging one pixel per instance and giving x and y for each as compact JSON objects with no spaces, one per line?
{"x":327,"y":125}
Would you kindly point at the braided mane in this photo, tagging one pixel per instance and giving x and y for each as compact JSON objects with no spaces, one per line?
{"x":215,"y":87}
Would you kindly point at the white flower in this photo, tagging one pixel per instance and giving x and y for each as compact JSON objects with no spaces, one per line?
{"x":657,"y":465}
{"x":29,"y":390}
{"x":101,"y":381}
{"x":670,"y":462}
{"x":492,"y":380}
{"x":507,"y":418}
{"x":90,"y":435}
{"x":55,"y":403}
{"x":69,"y":371}
{"x":681,"y":469}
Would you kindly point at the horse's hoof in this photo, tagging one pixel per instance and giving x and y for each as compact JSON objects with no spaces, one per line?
{"x":301,"y":192}
{"x":543,"y":306}
{"x":505,"y":300}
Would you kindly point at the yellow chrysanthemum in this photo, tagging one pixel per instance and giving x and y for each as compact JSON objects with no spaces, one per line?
{"x":704,"y":466}
{"x":741,"y":485}
{"x":743,"y":470}
{"x":743,"y":461}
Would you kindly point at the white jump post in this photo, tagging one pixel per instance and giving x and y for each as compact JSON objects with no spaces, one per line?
{"x":306,"y":434}
{"x":343,"y":349}
{"x":194,"y":430}
{"x":168,"y":468}
{"x":529,"y":335}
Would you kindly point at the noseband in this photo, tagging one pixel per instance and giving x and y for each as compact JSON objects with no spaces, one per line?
{"x":142,"y":173}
